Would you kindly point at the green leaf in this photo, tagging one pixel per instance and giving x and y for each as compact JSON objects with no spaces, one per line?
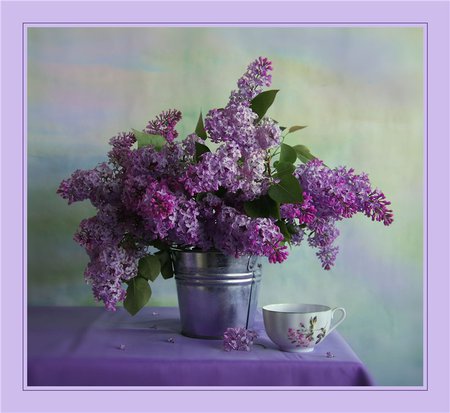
{"x":138,"y":294}
{"x":287,"y":154}
{"x":149,"y":267}
{"x":200,"y":128}
{"x":166,"y":264}
{"x":292,"y":229}
{"x":303,"y":153}
{"x":282,"y":128}
{"x":147,"y":139}
{"x":200,"y":196}
{"x":262,"y":102}
{"x":160,"y":245}
{"x":284,"y":230}
{"x":295,"y":128}
{"x":167,"y":270}
{"x":287,"y":191}
{"x":128,"y":241}
{"x":220,"y":192}
{"x":284,"y":168}
{"x":200,"y":149}
{"x":263,"y":207}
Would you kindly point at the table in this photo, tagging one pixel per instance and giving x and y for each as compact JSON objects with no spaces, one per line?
{"x":88,"y":346}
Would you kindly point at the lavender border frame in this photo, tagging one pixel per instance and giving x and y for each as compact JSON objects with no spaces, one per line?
{"x":417,"y":402}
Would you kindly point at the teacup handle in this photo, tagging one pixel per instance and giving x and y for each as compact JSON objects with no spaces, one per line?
{"x":344,"y":314}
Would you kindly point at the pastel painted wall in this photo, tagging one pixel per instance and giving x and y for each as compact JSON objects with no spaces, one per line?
{"x":359,"y":90}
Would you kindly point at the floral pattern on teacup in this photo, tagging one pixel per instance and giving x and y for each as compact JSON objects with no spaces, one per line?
{"x":306,"y":337}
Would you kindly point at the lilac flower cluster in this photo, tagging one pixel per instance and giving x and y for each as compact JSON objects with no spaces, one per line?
{"x":252,"y":81}
{"x":164,"y":124}
{"x":175,"y":196}
{"x":239,"y":339}
{"x":334,"y":194}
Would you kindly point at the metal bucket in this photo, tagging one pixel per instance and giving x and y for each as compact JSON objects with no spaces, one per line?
{"x":215,"y":291}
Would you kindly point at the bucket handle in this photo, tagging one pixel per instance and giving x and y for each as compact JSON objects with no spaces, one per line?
{"x":251,"y":265}
{"x":252,"y":262}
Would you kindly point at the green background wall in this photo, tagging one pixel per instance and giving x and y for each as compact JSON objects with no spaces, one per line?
{"x":359,"y":90}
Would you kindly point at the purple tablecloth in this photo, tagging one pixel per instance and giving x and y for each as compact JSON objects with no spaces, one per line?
{"x":73,"y":346}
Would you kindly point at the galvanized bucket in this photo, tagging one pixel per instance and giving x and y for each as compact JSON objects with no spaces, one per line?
{"x":215,"y":291}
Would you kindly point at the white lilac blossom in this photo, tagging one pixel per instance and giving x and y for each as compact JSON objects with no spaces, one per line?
{"x":186,"y":194}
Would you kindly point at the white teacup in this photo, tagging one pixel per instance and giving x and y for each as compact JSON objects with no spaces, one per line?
{"x":299,"y":327}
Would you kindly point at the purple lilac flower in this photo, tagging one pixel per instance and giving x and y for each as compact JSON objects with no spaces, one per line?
{"x":324,"y":232}
{"x":175,"y":160}
{"x":239,"y":339}
{"x":279,"y":254}
{"x":234,"y":123}
{"x":93,"y":234}
{"x":108,"y":192}
{"x":331,"y":189}
{"x":120,"y":153}
{"x":340,"y":193}
{"x":210,"y":206}
{"x":298,"y":236}
{"x":231,"y":231}
{"x":305,"y":213}
{"x":188,"y":144}
{"x":252,"y":81}
{"x":158,"y":227}
{"x":157,"y":202}
{"x":186,"y":230}
{"x":266,"y":240}
{"x":327,"y":255}
{"x":253,"y":179}
{"x":143,"y":195}
{"x":118,"y":263}
{"x":147,"y":161}
{"x":267,"y":134}
{"x":98,"y":185}
{"x":201,"y":177}
{"x":237,"y":234}
{"x":134,"y":188}
{"x":80,"y":185}
{"x":106,"y":271}
{"x":110,"y":293}
{"x":376,"y":208}
{"x":228,"y":168}
{"x":336,"y":194}
{"x":227,"y":159}
{"x":164,"y":124}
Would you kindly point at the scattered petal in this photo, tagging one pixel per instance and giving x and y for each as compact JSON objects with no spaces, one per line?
{"x":155,"y":313}
{"x":239,"y":339}
{"x":330,"y":355}
{"x":171,"y":340}
{"x":122,"y":347}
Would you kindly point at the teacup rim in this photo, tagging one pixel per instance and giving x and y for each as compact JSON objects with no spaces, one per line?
{"x":320,"y":308}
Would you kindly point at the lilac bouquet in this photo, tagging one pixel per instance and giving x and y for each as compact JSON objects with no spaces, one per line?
{"x":247,"y":196}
